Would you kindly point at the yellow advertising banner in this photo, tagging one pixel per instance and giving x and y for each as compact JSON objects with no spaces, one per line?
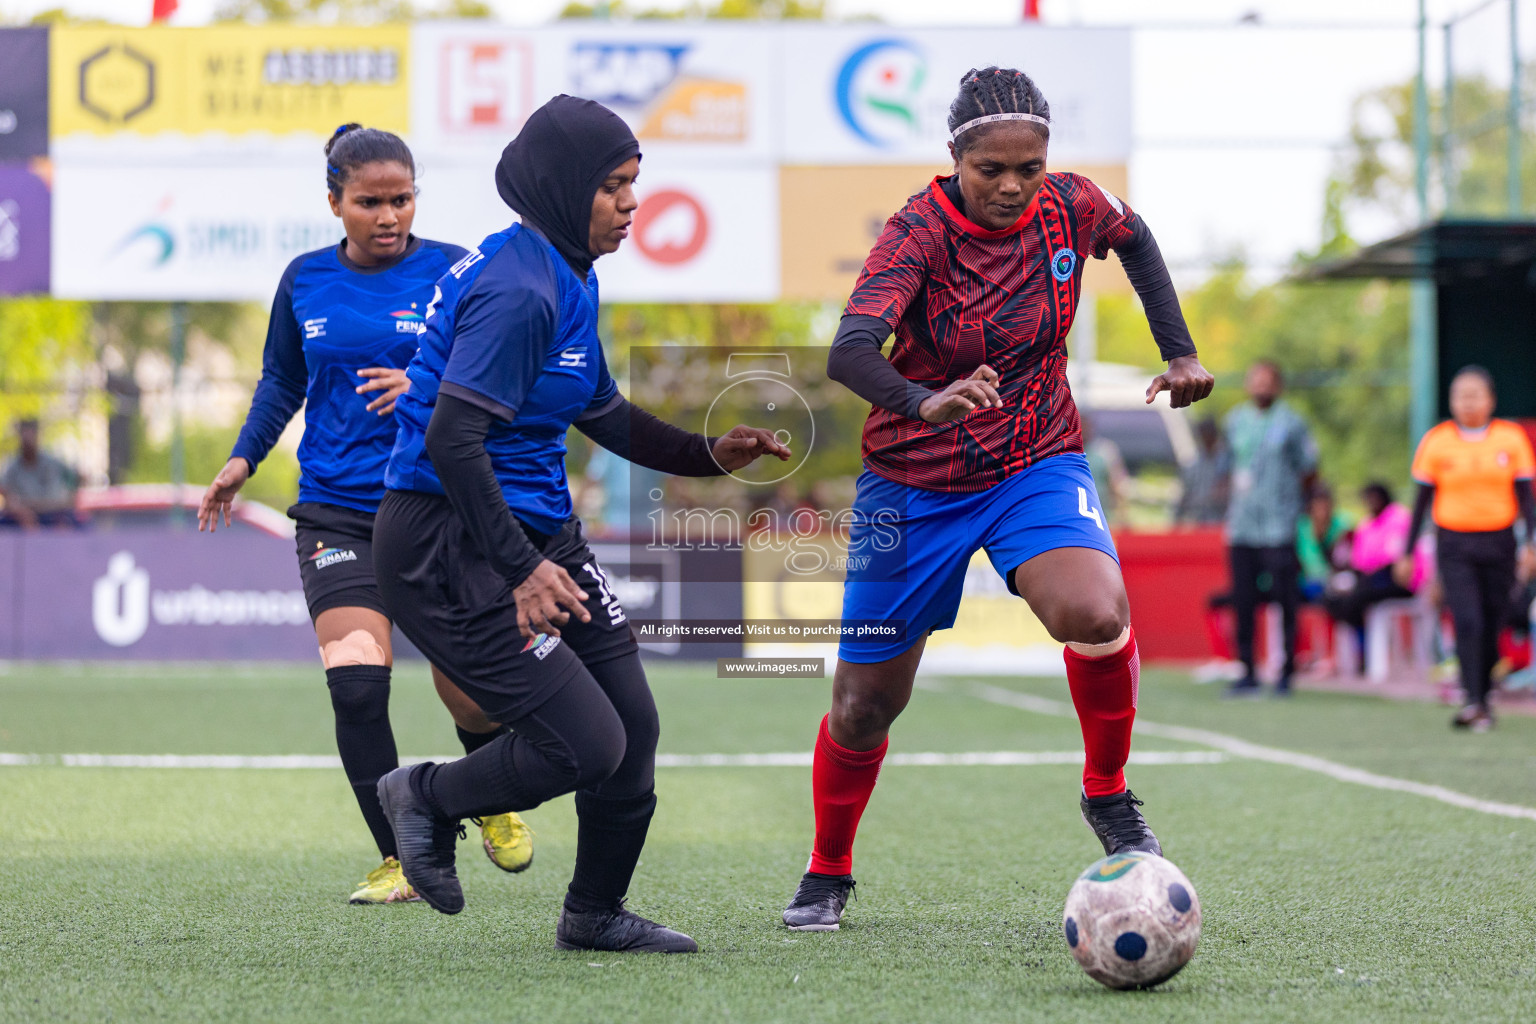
{"x":829,"y":218}
{"x":231,"y":79}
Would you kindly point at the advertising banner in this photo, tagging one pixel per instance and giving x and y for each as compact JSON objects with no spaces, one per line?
{"x":228,"y":79}
{"x":23,"y":93}
{"x":872,"y":95}
{"x":689,"y":91}
{"x":24,"y":231}
{"x":184,"y":232}
{"x":160,"y":594}
{"x":700,"y":235}
{"x":472,"y":87}
{"x":167,"y":593}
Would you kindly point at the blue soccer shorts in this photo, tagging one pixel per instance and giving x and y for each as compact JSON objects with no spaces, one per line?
{"x":909,"y":548}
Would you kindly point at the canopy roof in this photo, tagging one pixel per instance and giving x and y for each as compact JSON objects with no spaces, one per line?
{"x":1452,"y":249}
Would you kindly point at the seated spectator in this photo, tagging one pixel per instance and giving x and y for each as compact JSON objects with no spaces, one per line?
{"x":1379,"y":541}
{"x":1322,"y":542}
{"x":39,"y":490}
{"x":1205,"y":485}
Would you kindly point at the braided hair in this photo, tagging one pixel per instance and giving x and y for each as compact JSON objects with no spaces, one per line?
{"x":351,"y":146}
{"x":995,"y":90}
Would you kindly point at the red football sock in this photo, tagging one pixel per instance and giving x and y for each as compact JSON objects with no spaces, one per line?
{"x":841,"y":782}
{"x":1104,"y":694}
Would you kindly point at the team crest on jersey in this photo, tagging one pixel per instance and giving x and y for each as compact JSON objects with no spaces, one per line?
{"x":1063,"y":263}
{"x":574,"y":357}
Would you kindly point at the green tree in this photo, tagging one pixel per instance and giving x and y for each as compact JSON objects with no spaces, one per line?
{"x":1375,"y":175}
{"x":45,"y":346}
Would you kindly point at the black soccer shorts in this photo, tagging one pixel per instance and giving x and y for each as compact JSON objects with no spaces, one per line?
{"x":335,"y":548}
{"x":459,"y":611}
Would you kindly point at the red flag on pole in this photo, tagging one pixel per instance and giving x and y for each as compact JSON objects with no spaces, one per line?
{"x":1031,"y":10}
{"x":165,"y":8}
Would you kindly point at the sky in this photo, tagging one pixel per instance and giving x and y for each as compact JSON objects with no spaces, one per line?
{"x":1239,"y":108}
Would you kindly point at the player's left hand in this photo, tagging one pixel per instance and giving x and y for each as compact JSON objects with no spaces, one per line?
{"x":1186,"y":382}
{"x":744,"y":445}
{"x":387,"y":379}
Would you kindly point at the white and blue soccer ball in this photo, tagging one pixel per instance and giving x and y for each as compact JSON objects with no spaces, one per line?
{"x":1132,"y":920}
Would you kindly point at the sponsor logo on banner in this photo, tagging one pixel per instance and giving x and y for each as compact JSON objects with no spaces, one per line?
{"x":10,"y":230}
{"x":647,"y":81}
{"x":117,"y":84}
{"x":227,"y":79}
{"x":879,"y":90}
{"x":671,"y":227}
{"x":123,"y":605}
{"x":485,"y":87}
{"x":157,"y":241}
{"x":24,"y":240}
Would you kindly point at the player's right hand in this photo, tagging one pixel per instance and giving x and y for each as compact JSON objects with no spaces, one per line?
{"x":542,"y":600}
{"x":221,"y":494}
{"x":960,"y":399}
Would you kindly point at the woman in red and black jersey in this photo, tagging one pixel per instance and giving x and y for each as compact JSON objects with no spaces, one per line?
{"x":974,"y":443}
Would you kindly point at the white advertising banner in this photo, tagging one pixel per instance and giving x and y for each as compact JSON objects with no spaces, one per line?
{"x":705,"y":94}
{"x":164,"y":233}
{"x":183,"y":233}
{"x":474,"y":86}
{"x":700,"y":235}
{"x":873,"y":95}
{"x":695,"y":92}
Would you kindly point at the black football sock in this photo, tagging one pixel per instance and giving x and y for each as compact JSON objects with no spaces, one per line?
{"x":487,"y":781}
{"x":609,"y":837}
{"x":360,"y":698}
{"x":473,"y":741}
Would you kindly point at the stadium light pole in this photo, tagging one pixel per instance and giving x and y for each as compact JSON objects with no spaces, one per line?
{"x":1422,"y":369}
{"x":1514,"y":109}
{"x":1447,"y":148}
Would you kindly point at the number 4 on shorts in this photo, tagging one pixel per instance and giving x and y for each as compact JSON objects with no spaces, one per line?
{"x":1087,"y":511}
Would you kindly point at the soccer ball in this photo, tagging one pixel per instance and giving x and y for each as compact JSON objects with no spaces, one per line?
{"x":1132,"y":920}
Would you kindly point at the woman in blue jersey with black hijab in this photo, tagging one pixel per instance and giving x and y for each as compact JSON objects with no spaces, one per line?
{"x":483,"y":564}
{"x":346,"y":320}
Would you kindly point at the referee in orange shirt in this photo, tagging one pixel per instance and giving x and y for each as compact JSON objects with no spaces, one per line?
{"x":1476,"y":471}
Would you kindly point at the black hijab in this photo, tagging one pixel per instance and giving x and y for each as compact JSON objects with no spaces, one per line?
{"x":551,"y":171}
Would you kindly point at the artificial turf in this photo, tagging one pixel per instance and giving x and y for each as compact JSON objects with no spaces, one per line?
{"x":214,"y":894}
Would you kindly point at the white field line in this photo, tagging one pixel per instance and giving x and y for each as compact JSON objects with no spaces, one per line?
{"x":1242,"y":748}
{"x":796,"y":759}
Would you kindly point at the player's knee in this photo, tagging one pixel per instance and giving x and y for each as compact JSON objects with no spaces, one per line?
{"x":359,"y":700}
{"x":863,"y":714}
{"x":1089,"y":622}
{"x":597,"y":749}
{"x":356,"y":648}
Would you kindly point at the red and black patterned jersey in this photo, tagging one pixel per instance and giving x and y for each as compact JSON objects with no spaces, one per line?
{"x":958,"y":295}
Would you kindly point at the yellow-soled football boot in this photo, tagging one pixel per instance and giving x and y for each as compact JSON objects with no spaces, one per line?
{"x":508,"y":841}
{"x":385,"y":884}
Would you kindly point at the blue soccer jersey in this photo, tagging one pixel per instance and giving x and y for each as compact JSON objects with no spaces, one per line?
{"x":330,"y":319}
{"x":512,"y":330}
